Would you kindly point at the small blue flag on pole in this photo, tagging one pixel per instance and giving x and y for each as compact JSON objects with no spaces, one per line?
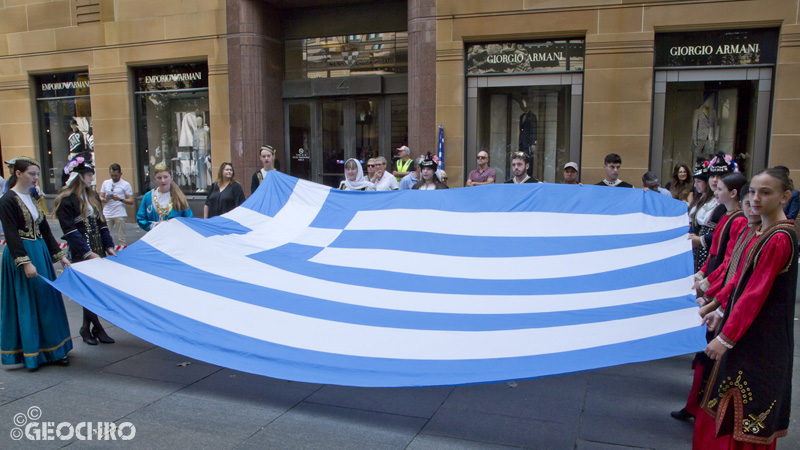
{"x":440,"y":150}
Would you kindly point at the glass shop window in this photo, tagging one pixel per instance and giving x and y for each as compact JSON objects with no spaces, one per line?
{"x":65,"y":124}
{"x":173,"y":125}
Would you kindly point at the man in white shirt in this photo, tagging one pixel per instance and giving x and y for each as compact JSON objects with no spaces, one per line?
{"x":383,"y":180}
{"x":115,"y":194}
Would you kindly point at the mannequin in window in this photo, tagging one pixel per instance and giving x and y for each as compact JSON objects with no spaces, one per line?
{"x":528,"y":132}
{"x":705,"y":131}
{"x":201,"y":144}
{"x":76,"y":141}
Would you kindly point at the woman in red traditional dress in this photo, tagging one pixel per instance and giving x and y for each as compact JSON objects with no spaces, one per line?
{"x":730,"y":226}
{"x":747,"y":399}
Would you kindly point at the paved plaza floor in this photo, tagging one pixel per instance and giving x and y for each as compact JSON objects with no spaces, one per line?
{"x":176,"y":402}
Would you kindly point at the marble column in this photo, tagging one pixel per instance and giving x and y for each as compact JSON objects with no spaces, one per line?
{"x":422,"y":128}
{"x":255,"y":74}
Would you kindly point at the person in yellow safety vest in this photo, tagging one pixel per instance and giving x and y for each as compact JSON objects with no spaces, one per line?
{"x":404,"y":165}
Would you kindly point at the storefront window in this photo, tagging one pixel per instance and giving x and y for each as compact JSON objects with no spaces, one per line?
{"x":344,"y":56}
{"x":712,"y":94}
{"x":525,"y":97}
{"x":703,"y":118}
{"x":173,"y":125}
{"x":65,"y":124}
{"x":534,"y":120}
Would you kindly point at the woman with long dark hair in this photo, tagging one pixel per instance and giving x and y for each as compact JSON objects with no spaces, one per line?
{"x":33,"y":322}
{"x":428,"y":179}
{"x":162,"y":203}
{"x":80,"y":214}
{"x":681,"y":184}
{"x":225,"y":194}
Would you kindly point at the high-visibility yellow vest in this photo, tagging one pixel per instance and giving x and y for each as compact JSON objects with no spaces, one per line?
{"x":403,"y":166}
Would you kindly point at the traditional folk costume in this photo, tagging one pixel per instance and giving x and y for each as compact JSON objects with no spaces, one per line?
{"x":258,"y":176}
{"x":723,"y":242}
{"x":157,"y":207}
{"x":421,"y":185}
{"x":33,"y":322}
{"x":704,"y":222}
{"x":84,"y":235}
{"x":718,"y":229}
{"x":748,"y":395}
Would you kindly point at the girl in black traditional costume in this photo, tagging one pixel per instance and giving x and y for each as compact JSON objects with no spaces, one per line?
{"x":80,"y":215}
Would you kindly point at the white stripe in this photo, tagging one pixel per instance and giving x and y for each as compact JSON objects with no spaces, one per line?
{"x":267,"y":233}
{"x":511,"y":268}
{"x":368,"y":341}
{"x":317,"y":237}
{"x":513,"y":224}
{"x":216,"y":258}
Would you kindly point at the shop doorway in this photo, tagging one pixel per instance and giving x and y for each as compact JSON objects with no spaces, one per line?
{"x":697,"y":113}
{"x":539,"y":115}
{"x":323,"y":133}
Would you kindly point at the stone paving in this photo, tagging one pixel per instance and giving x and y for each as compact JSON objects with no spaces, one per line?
{"x":196,"y":405}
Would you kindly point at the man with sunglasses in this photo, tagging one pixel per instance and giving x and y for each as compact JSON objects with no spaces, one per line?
{"x":383,"y":180}
{"x":483,"y":174}
{"x":519,"y":167}
{"x":371,"y":168}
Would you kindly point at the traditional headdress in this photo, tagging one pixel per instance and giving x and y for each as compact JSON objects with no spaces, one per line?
{"x":430,"y":162}
{"x":77,"y":166}
{"x":701,"y":169}
{"x":722,"y":164}
{"x":28,"y":159}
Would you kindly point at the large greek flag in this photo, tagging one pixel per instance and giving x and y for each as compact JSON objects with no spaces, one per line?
{"x":410,"y":288}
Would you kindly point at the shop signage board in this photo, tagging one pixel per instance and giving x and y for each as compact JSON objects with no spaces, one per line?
{"x":717,"y":48}
{"x":525,"y":57}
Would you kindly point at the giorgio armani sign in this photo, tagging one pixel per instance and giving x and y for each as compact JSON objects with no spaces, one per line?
{"x":525,"y":57}
{"x":717,"y":48}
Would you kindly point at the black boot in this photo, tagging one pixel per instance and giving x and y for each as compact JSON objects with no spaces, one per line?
{"x":87,"y":337}
{"x":100,"y":333}
{"x":682,"y":415}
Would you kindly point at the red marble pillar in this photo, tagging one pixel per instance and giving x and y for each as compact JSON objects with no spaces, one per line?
{"x":255,"y":74}
{"x":422,"y":128}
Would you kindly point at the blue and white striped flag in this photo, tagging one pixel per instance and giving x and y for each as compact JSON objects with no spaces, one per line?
{"x":409,"y":288}
{"x":440,"y":148}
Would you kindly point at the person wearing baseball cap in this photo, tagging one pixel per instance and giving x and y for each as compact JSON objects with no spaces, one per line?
{"x":571,"y":173}
{"x":404,"y":165}
{"x":10,"y":165}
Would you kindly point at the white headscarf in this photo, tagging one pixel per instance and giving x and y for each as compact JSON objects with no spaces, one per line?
{"x":361,"y":181}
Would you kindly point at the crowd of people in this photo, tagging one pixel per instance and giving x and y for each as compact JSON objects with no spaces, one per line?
{"x":742,"y":234}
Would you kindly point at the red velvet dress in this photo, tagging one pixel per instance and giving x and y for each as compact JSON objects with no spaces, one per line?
{"x":748,"y":395}
{"x":725,"y":236}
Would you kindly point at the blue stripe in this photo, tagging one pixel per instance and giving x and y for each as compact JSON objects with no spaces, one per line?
{"x":489,"y":246}
{"x":146,"y":258}
{"x":339,"y":209}
{"x":667,"y":269}
{"x":179,"y":334}
{"x":215,"y":226}
{"x":272,"y":194}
